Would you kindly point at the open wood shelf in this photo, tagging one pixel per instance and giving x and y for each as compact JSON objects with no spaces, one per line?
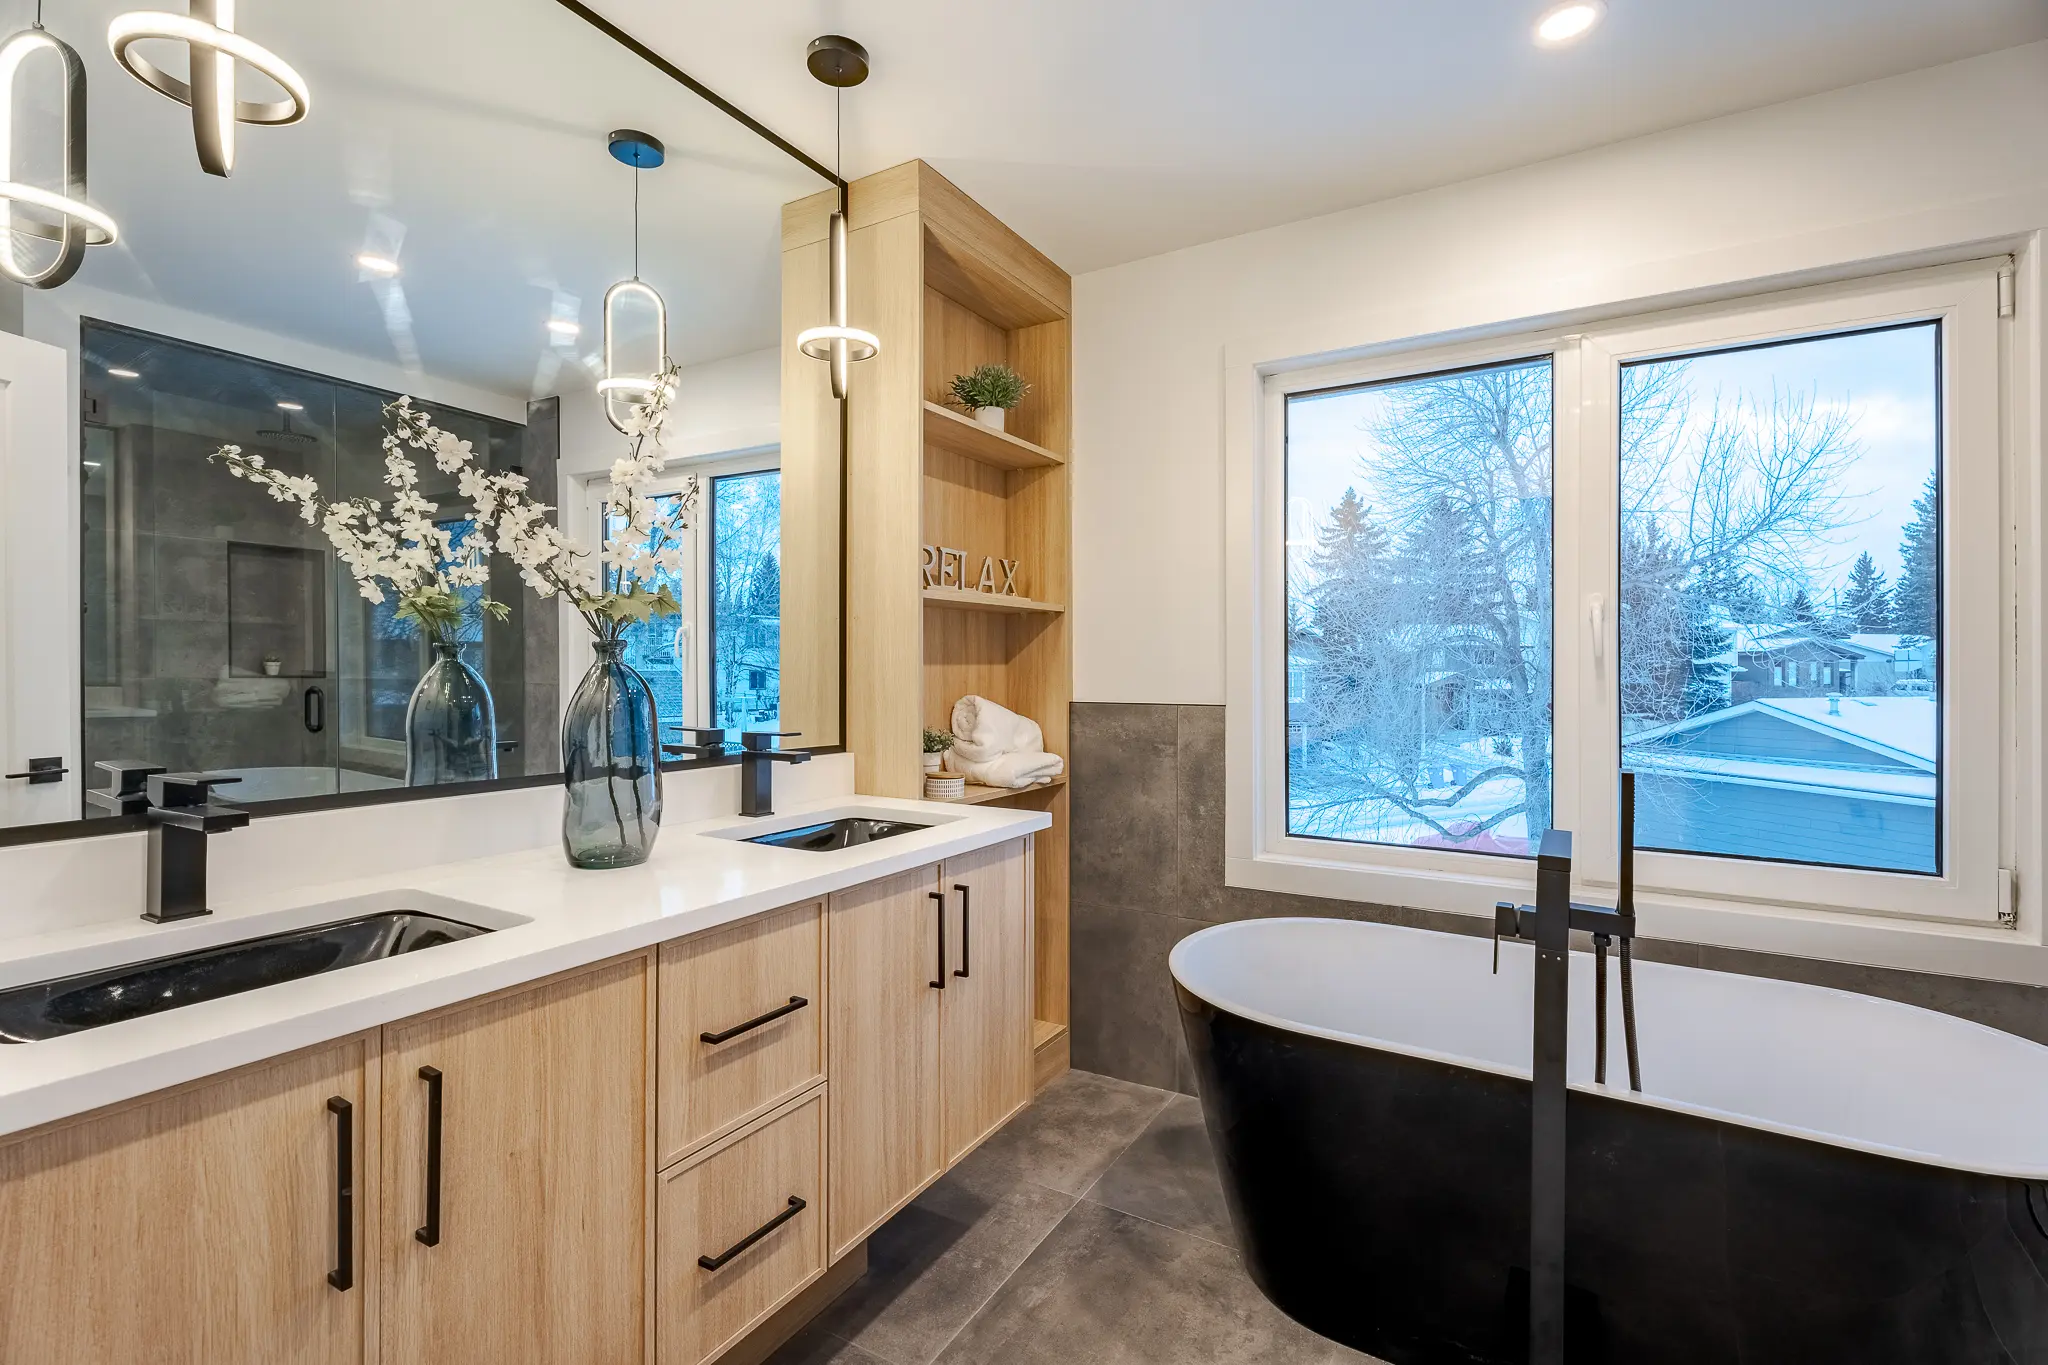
{"x":979,"y":795}
{"x":956,"y":435}
{"x":987,"y":601}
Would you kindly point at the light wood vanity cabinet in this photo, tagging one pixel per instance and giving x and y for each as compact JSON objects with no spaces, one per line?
{"x":930,"y":1027}
{"x":638,"y":1161}
{"x":198,"y":1225}
{"x":535,"y":1249}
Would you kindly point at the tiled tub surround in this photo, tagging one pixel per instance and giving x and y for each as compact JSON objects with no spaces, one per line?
{"x":1148,"y":792}
{"x":548,"y":918}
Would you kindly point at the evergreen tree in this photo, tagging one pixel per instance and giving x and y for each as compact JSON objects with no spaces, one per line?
{"x":1803,"y":610}
{"x":1867,"y":602}
{"x":1914,"y":602}
{"x":1709,"y":646}
{"x":1349,"y":615}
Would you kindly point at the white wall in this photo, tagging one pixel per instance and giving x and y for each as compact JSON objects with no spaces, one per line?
{"x":1917,"y":163}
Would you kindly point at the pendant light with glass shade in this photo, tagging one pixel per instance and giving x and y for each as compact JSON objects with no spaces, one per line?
{"x":61,"y":215}
{"x":624,"y":390}
{"x":839,"y":62}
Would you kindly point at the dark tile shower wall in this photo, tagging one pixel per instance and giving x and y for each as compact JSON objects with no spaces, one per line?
{"x":1147,"y":868}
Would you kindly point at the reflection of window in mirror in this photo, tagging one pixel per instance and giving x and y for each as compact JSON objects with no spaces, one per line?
{"x":720,"y":662}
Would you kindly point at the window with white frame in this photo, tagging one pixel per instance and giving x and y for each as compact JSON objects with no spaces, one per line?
{"x":1749,"y":552}
{"x":717,"y":662}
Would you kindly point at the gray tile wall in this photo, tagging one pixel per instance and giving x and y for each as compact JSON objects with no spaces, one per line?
{"x":1147,"y":784}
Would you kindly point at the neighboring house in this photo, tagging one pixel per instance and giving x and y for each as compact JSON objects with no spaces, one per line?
{"x":1912,"y":658}
{"x":1843,"y":780}
{"x":1793,"y":661}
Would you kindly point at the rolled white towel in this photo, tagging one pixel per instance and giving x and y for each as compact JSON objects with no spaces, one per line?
{"x":1007,"y":770}
{"x":985,"y":729}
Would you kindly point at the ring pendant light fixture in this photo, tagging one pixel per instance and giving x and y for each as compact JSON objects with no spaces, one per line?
{"x":622,"y":392}
{"x":64,"y":216}
{"x":839,"y":62}
{"x":208,"y":30}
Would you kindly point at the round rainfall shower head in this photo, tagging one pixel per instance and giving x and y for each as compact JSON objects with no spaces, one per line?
{"x":837,"y":60}
{"x":641,"y":151}
{"x":285,"y":432}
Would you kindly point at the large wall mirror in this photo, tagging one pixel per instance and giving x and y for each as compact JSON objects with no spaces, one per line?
{"x":444,"y":225}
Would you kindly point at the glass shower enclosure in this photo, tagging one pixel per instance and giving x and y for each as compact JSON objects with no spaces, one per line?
{"x":219,"y":631}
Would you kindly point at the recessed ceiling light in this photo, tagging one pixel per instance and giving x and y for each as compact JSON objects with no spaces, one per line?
{"x":1562,"y":24}
{"x":377,"y":265}
{"x":289,"y":406}
{"x":119,"y":373}
{"x":563,"y":327}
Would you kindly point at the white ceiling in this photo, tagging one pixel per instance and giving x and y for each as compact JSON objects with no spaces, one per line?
{"x":473,"y":151}
{"x":1107,"y":130}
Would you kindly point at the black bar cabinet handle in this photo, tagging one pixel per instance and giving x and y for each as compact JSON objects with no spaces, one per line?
{"x":430,"y":1235}
{"x":343,"y":1276}
{"x":796,"y":1206}
{"x":796,"y":1002}
{"x":966,"y":927}
{"x":940,"y":897}
{"x":313,"y":710}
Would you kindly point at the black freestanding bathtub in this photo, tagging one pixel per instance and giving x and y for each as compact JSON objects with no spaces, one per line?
{"x":1810,"y":1177}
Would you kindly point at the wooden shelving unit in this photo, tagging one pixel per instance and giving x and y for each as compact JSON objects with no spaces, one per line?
{"x":948,"y":287}
{"x":957,"y":600}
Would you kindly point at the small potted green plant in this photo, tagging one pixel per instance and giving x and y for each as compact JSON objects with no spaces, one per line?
{"x":989,"y":392}
{"x":936,"y":742}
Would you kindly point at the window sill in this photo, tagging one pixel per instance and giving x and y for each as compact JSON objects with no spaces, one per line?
{"x":1950,"y":949}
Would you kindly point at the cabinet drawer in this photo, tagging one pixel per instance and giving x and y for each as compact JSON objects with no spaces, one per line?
{"x":739,"y":1229}
{"x":740,"y":985}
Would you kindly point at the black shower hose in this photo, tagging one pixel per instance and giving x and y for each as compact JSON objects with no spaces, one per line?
{"x":1628,"y":1019}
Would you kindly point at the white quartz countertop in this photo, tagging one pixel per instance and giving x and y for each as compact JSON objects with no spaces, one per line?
{"x":547,"y":917}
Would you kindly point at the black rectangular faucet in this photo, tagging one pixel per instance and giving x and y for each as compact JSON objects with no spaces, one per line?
{"x":182,"y":813}
{"x":758,"y":757}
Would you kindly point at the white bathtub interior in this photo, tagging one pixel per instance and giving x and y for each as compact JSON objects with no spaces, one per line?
{"x":1829,"y":1064}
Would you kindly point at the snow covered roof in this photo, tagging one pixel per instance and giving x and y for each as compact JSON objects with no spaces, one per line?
{"x":1768,"y":637}
{"x":1901,"y":729}
{"x":1898,"y":784}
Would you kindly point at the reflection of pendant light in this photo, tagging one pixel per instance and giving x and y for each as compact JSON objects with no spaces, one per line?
{"x":208,"y":31}
{"x":623,"y":392}
{"x":77,"y":224}
{"x":838,"y":62}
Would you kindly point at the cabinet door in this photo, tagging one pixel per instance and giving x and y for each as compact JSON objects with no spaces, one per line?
{"x":200,"y":1226}
{"x":883,"y":941}
{"x":985,"y":1015}
{"x":538,"y":1253}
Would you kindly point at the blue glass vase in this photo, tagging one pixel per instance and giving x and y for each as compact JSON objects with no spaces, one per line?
{"x":451,"y":728}
{"x":611,"y":765}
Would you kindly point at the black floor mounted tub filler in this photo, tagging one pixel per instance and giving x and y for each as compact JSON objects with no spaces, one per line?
{"x":1809,"y":1176}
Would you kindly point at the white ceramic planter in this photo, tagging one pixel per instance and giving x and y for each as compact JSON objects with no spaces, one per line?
{"x":990,"y":417}
{"x":933,"y":762}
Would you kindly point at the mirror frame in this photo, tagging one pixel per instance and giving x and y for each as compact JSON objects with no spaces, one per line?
{"x":84,"y":828}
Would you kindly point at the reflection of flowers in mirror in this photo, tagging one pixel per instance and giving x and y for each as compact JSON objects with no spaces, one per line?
{"x":406,"y":553}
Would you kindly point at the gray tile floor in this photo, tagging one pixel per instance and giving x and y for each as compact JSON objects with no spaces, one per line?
{"x":1091,"y":1229}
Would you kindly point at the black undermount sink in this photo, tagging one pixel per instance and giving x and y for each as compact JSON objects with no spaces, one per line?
{"x":834,"y":835}
{"x":71,"y":1004}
